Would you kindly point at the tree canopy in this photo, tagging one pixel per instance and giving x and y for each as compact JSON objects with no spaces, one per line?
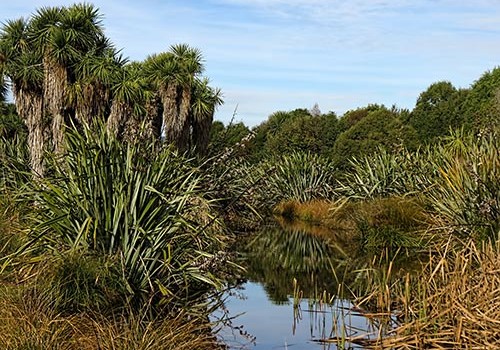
{"x":438,"y":109}
{"x":482,"y":105}
{"x":64,"y":72}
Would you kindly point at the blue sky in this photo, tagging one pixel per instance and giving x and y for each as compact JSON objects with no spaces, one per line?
{"x":270,"y":55}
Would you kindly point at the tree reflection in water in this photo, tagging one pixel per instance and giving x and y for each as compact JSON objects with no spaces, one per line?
{"x":317,"y":258}
{"x":326,"y":269}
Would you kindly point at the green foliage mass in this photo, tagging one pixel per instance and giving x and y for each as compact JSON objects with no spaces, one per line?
{"x":294,"y":131}
{"x":379,"y":128}
{"x":482,"y":106}
{"x":258,"y":147}
{"x":350,"y":118}
{"x":13,"y":147}
{"x":457,"y":180}
{"x":223,"y":137}
{"x":438,"y":109}
{"x":315,"y":134}
{"x":11,"y":125}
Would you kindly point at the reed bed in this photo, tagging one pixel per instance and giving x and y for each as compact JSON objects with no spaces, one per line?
{"x":454,"y":303}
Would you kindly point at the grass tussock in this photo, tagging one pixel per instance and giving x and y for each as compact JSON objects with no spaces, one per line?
{"x":315,"y":211}
{"x":133,"y":332}
{"x":392,"y":222}
{"x":295,"y":176}
{"x":30,"y":320}
{"x":10,"y":225}
{"x":142,"y":207}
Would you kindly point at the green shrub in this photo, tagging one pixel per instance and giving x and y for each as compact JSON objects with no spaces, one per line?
{"x":296,"y":176}
{"x":138,"y":204}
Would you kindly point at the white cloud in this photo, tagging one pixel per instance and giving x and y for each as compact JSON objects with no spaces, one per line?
{"x":285,"y":54}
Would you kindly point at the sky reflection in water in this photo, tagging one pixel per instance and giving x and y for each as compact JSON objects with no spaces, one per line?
{"x":264,"y":304}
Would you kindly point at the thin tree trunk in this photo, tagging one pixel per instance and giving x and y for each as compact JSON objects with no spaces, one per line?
{"x":54,"y":94}
{"x":170,"y":113}
{"x":29,"y":105}
{"x":133,"y":130}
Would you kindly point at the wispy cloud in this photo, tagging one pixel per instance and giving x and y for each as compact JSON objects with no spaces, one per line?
{"x":284,"y":54}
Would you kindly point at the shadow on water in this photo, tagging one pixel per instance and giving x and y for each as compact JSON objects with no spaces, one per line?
{"x":298,"y":289}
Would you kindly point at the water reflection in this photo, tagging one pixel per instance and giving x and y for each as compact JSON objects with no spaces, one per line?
{"x":276,"y":258}
{"x":298,"y":284}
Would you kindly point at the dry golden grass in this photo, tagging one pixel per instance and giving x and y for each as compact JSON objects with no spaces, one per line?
{"x":453,"y":304}
{"x":321,"y":212}
{"x":135,"y":333}
{"x":29,"y":320}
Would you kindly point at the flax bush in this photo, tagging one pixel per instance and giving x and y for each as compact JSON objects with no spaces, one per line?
{"x":139,"y":204}
{"x":466,"y":195}
{"x":386,"y":174}
{"x":295,"y":176}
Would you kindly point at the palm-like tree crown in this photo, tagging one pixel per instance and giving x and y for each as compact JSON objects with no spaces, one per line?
{"x":62,"y":67}
{"x":64,"y":34}
{"x":18,"y":61}
{"x":190,"y":62}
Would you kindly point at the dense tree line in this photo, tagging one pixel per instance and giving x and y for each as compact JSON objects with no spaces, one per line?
{"x":439,"y":109}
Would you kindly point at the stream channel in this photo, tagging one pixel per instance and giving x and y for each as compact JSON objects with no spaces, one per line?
{"x":289,"y":296}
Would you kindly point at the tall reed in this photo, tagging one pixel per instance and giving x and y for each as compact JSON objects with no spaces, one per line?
{"x":453,"y":303}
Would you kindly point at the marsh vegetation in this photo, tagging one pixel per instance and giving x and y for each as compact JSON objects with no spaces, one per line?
{"x":124,"y":205}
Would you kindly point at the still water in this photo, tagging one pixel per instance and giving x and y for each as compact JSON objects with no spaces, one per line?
{"x":267,"y":325}
{"x":289,"y":296}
